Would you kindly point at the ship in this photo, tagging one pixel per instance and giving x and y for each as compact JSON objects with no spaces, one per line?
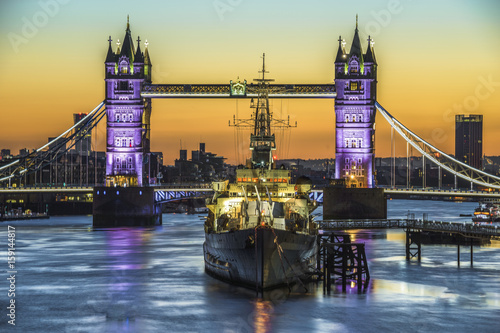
{"x":487,"y":211}
{"x":260,"y":232}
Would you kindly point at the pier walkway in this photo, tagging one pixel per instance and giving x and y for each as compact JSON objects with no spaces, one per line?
{"x":466,"y":229}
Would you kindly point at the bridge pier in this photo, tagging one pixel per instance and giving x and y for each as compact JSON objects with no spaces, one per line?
{"x":125,"y":207}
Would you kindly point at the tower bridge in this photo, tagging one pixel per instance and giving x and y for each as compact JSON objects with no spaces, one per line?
{"x":129,"y":89}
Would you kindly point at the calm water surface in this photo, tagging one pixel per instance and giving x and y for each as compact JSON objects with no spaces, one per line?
{"x":72,"y":278}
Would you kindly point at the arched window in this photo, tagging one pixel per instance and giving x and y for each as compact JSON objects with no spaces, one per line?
{"x":124,"y":117}
{"x":117,"y":144}
{"x":117,"y":117}
{"x":347,"y":143}
{"x":354,"y":67}
{"x":346,"y":118}
{"x":124,"y":67}
{"x":130,"y":117}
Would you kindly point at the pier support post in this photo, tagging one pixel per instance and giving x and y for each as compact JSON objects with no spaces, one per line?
{"x":344,"y":268}
{"x":458,"y":254}
{"x":344,"y":260}
{"x":471,"y":253}
{"x":413,"y":244}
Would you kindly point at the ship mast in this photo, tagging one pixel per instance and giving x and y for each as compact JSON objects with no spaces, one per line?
{"x":262,"y":141}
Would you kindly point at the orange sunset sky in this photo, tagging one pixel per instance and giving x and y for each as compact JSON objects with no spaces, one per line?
{"x":436,"y":59}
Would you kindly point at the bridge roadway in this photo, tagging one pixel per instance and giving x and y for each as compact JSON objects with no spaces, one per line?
{"x":167,"y":192}
{"x":172,"y":192}
{"x":466,"y":229}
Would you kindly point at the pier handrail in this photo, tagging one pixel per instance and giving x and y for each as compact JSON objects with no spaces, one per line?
{"x":464,"y":228}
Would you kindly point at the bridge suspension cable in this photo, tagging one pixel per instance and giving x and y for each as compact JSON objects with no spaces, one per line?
{"x":438,"y":157}
{"x":56,"y":147}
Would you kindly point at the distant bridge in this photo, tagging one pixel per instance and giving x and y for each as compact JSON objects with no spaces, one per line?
{"x":166,"y":193}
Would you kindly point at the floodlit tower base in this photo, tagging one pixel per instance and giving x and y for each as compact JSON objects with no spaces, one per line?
{"x":125,"y":207}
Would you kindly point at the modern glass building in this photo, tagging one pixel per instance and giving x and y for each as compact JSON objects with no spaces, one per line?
{"x":469,"y":139}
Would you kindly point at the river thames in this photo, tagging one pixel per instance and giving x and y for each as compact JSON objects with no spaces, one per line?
{"x":71,"y":278}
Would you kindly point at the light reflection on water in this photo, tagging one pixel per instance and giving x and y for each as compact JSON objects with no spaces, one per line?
{"x":76,"y":279}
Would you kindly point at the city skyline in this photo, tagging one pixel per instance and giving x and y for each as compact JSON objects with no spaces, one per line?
{"x":432,"y":66}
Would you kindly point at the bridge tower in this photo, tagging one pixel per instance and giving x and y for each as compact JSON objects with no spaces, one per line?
{"x":356,"y":86}
{"x":128,"y":113}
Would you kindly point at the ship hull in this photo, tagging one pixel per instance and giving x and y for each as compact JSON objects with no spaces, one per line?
{"x":251,"y":257}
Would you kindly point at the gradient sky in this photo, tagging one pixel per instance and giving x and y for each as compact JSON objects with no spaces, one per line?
{"x":434,"y":59}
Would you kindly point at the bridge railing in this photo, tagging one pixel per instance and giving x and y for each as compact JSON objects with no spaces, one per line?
{"x":465,"y":228}
{"x":468,"y":228}
{"x":361,"y":224}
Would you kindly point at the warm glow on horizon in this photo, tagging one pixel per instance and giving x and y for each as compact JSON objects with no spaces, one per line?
{"x":433,"y":64}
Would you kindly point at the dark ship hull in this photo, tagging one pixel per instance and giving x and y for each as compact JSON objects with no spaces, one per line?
{"x":251,"y":258}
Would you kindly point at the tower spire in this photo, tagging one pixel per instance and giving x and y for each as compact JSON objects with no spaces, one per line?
{"x":110,"y":57}
{"x":128,"y":23}
{"x":370,"y":52}
{"x":139,"y":58}
{"x":356,"y":44}
{"x":341,"y":52}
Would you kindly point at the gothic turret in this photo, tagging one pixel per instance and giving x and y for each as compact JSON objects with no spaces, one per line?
{"x":110,"y":57}
{"x":370,"y":53}
{"x":139,"y":57}
{"x":341,"y":56}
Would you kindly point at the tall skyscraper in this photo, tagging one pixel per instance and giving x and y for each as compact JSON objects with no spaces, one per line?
{"x":356,"y":86}
{"x":469,"y":139}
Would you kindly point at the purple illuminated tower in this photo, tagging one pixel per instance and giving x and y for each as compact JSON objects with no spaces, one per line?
{"x":128,"y":113}
{"x":356,"y":85}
